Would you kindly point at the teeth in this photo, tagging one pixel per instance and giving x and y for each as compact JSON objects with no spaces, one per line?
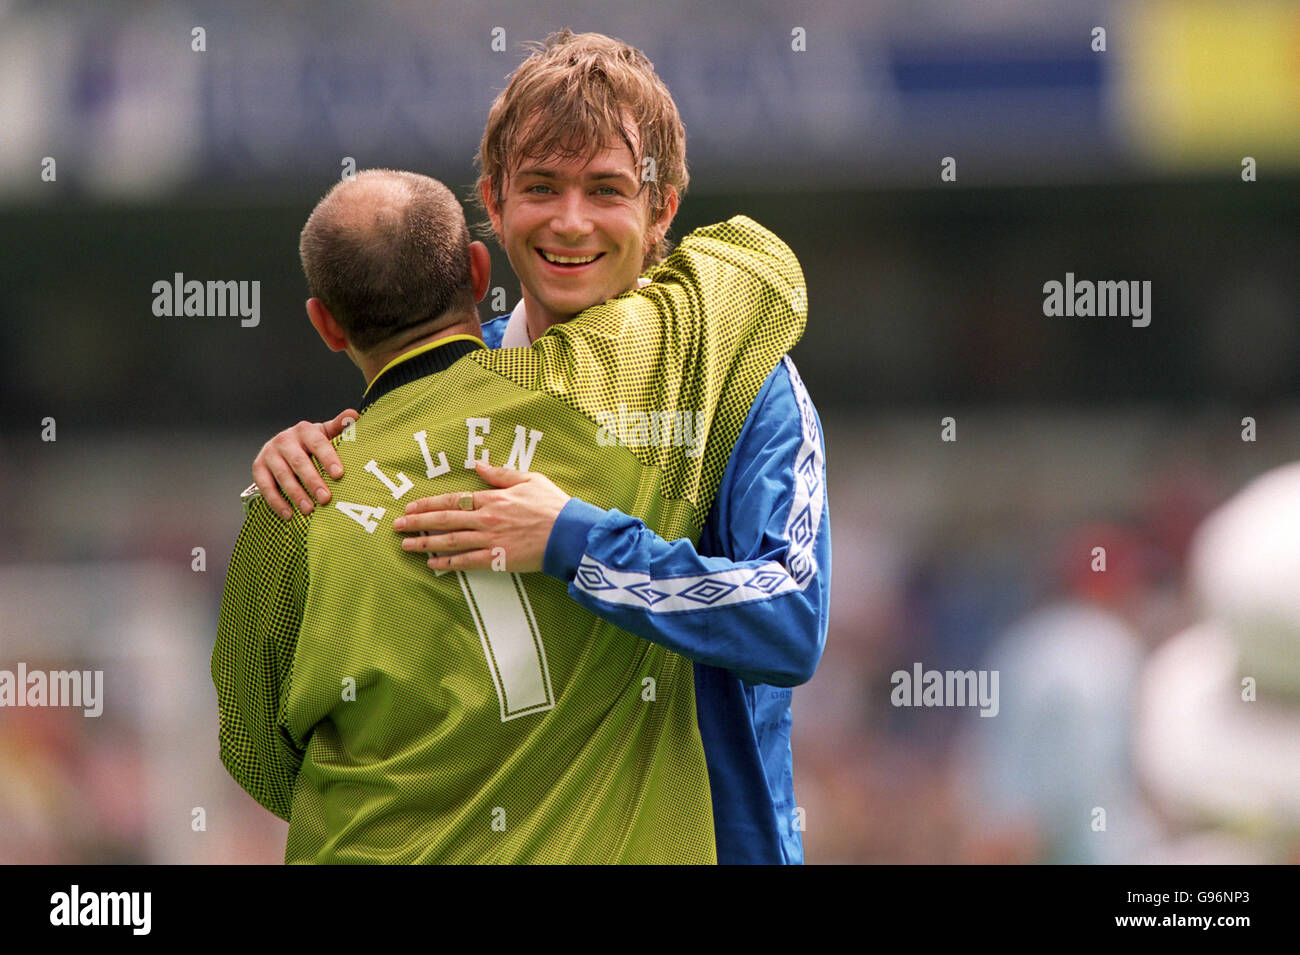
{"x":568,"y":260}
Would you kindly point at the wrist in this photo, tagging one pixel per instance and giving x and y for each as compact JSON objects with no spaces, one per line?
{"x":568,"y":538}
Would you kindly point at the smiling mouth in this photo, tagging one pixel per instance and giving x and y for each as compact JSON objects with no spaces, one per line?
{"x":569,"y":261}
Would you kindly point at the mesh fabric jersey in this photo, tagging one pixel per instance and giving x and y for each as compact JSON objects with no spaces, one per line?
{"x":394,"y":715}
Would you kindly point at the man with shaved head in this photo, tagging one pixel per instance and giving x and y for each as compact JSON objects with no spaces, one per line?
{"x":389,"y":263}
{"x":391,"y":714}
{"x":384,"y":247}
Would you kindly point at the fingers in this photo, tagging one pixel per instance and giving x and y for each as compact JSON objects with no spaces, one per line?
{"x":266,"y":483}
{"x":499,"y":476}
{"x":274,"y":473}
{"x":474,"y":560}
{"x":316,"y":441}
{"x":340,"y":423}
{"x":496,"y":476}
{"x":451,"y":502}
{"x":286,"y":461}
{"x":283,"y":472}
{"x":295,"y":447}
{"x":438,"y":502}
{"x":454,"y":543}
{"x":440,"y":521}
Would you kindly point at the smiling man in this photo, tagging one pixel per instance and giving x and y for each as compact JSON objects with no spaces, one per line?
{"x":574,"y":231}
{"x":583,"y":165}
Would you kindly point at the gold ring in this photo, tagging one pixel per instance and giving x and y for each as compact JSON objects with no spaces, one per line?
{"x":466,"y":501}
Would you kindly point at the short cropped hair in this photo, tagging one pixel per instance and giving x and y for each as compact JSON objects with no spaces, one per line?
{"x":586,"y":88}
{"x":387,"y":251}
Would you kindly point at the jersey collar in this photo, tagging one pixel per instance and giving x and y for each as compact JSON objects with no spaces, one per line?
{"x":516,"y":333}
{"x":431,"y":357}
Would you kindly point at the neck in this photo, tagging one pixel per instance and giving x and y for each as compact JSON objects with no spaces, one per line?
{"x":538,"y":317}
{"x":372,"y":363}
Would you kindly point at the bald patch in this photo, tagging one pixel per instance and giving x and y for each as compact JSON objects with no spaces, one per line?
{"x":385,"y":251}
{"x":371,"y":203}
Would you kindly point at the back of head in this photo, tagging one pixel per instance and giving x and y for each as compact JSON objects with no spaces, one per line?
{"x":388,"y":253}
{"x":575,"y":94}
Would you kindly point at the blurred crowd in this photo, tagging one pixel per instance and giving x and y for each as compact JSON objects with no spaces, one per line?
{"x":1133,"y":725}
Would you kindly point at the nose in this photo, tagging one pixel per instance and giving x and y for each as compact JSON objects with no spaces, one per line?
{"x":571,"y":219}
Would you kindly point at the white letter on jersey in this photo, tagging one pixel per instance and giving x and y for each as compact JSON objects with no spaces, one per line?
{"x":521,"y":457}
{"x":475,"y":439}
{"x":367,"y":517}
{"x":422,"y":439}
{"x":401,"y":487}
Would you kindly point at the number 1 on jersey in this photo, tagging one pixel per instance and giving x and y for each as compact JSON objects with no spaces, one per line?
{"x":511,"y":641}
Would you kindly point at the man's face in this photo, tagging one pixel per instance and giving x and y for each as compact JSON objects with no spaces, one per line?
{"x":576,"y":231}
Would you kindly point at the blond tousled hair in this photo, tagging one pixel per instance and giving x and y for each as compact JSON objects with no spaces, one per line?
{"x":586,"y":88}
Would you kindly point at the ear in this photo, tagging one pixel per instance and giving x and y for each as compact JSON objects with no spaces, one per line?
{"x":665,"y":220}
{"x":329,"y":330}
{"x":480,"y":269}
{"x":486,"y":193}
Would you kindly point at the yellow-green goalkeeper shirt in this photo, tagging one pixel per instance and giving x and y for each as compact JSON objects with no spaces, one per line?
{"x":394,"y":715}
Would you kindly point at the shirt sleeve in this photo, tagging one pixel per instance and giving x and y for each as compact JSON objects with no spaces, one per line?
{"x":257,"y":636}
{"x":759,"y":606}
{"x":494,"y":329}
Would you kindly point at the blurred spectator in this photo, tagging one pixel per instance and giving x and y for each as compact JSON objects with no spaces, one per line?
{"x":1050,"y":778}
{"x":1219,"y":722}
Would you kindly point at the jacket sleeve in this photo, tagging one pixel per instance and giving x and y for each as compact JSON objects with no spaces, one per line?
{"x":758,"y":604}
{"x":257,"y":635}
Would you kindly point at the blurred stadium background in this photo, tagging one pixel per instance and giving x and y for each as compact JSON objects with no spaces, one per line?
{"x":925,"y":302}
